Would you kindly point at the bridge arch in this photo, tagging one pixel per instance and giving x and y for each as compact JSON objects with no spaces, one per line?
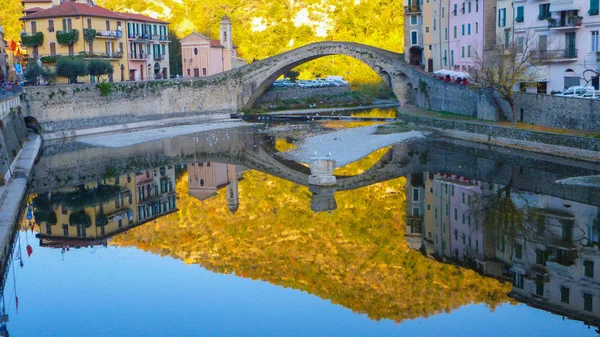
{"x":388,"y":65}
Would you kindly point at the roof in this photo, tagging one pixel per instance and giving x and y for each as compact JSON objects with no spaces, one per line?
{"x":67,"y":9}
{"x":33,"y":10}
{"x":225,"y":18}
{"x":213,"y":43}
{"x":140,"y":17}
{"x":36,"y":1}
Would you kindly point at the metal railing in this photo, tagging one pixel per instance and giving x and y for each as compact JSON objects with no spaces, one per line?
{"x":159,"y":57}
{"x":138,"y":56}
{"x":565,"y":22}
{"x":412,"y":9}
{"x":555,"y":54}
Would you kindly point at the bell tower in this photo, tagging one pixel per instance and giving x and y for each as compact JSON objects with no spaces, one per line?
{"x":226,"y":38}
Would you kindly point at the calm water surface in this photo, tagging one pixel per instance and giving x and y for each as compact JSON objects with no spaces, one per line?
{"x":216,"y":234}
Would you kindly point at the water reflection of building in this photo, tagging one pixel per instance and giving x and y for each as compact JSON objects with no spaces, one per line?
{"x":206,"y":178}
{"x":547,"y":246}
{"x":90,"y":214}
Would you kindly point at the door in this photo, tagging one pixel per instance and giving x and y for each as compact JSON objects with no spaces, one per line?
{"x":196,"y":72}
{"x":570,"y":43}
{"x":430,"y":65}
{"x":164,"y":71}
{"x":132,"y":74}
{"x":52,"y":48}
{"x":141,"y":72}
{"x":539,"y":285}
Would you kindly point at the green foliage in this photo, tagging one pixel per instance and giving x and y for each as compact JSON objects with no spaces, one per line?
{"x":175,"y":66}
{"x":80,"y":219}
{"x":32,"y":40}
{"x":97,"y":68}
{"x":71,"y":68}
{"x":422,"y":86}
{"x":33,"y":72}
{"x":67,"y":38}
{"x":101,"y":220}
{"x":43,"y":210}
{"x":105,"y":88}
{"x":49,"y":59}
{"x":89,"y":34}
{"x":82,"y":198}
{"x":292,"y":75}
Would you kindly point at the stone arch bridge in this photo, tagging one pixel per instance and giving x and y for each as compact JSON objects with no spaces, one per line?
{"x":79,"y":106}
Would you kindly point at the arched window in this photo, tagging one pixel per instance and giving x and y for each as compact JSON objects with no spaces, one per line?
{"x":195,"y":51}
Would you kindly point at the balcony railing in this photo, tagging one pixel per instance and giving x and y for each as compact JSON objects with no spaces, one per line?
{"x":412,"y":9}
{"x":555,"y":55}
{"x":159,"y":57}
{"x":108,"y":34}
{"x":565,"y":22}
{"x":138,"y":56}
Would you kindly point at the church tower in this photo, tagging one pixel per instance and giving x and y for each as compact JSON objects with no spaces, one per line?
{"x":233,"y":201}
{"x":226,"y":38}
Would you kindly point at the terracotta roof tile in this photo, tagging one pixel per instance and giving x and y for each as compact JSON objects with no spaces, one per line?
{"x":140,"y":17}
{"x":67,"y":9}
{"x":215,"y":43}
{"x":36,"y":1}
{"x":33,"y":10}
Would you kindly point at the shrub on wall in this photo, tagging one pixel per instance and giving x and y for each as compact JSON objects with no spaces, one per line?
{"x":89,"y":34}
{"x":32,"y":40}
{"x":67,"y":38}
{"x":49,"y":59}
{"x":71,"y":68}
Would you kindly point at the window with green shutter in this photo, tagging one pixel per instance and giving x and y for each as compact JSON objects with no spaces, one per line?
{"x":593,"y":7}
{"x":545,"y":12}
{"x":520,"y":14}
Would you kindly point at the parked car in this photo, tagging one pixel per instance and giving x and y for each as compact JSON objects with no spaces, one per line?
{"x":575,"y":91}
{"x":592,"y":94}
{"x":336,"y":79}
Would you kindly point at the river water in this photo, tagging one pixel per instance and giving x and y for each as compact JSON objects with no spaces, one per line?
{"x":216,"y":234}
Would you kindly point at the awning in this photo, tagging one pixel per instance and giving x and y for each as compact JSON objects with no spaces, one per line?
{"x":563,"y":5}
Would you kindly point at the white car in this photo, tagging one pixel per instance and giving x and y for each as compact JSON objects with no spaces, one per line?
{"x":336,"y":79}
{"x":576,"y":91}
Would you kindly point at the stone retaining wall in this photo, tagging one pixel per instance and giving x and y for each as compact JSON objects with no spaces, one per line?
{"x":584,"y":143}
{"x":12,"y":131}
{"x":276,"y":95}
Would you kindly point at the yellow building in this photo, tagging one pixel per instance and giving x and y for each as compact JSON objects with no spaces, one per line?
{"x":76,"y":29}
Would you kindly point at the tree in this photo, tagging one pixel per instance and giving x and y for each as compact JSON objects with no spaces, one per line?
{"x":71,"y":68}
{"x":292,"y":75}
{"x":175,"y":65}
{"x":35,"y":72}
{"x":97,"y":68}
{"x":508,"y":64}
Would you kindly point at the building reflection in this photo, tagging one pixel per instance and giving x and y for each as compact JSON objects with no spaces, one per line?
{"x":546,"y":246}
{"x":90,"y":214}
{"x":206,"y":178}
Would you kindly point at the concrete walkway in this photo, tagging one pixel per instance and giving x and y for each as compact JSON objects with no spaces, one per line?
{"x":12,"y":194}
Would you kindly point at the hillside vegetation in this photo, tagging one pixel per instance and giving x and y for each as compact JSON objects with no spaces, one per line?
{"x":356,"y":257}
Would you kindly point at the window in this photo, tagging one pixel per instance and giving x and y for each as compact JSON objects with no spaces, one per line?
{"x":107,"y":24}
{"x":456,"y":214}
{"x":476,"y":27}
{"x":468,"y":51}
{"x":33,"y":27}
{"x":443,"y":11}
{"x":593,"y":7}
{"x":469,"y":241}
{"x":518,"y":251}
{"x":446,"y":33}
{"x":445,"y":57}
{"x":414,"y":20}
{"x":520,"y":44}
{"x":463,"y":198}
{"x":540,"y":257}
{"x":564,"y":294}
{"x":463,"y":30}
{"x":452,"y":58}
{"x":434,"y":20}
{"x":452,"y":190}
{"x":469,"y":220}
{"x":66,"y":25}
{"x":502,"y":17}
{"x":462,"y":51}
{"x":506,"y":39}
{"x":50,"y":26}
{"x":594,"y":35}
{"x":587,"y":302}
{"x":429,"y":207}
{"x":464,"y":219}
{"x":48,"y":229}
{"x":501,"y":242}
{"x":455,"y":235}
{"x":469,"y":6}
{"x":427,"y":29}
{"x":415,"y":211}
{"x":414,"y":38}
{"x":588,"y":268}
{"x":469,"y":28}
{"x":476,"y":6}
{"x":436,"y":214}
{"x":415,"y":193}
{"x":544,"y":12}
{"x":65,"y":228}
{"x":477,"y":245}
{"x":462,"y":10}
{"x":520,"y":14}
{"x":543,"y":43}
{"x":518,"y":280}
{"x":447,"y":210}
{"x":455,"y":9}
{"x":455,"y":30}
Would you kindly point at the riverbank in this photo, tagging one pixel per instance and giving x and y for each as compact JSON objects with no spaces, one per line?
{"x":14,"y":191}
{"x":559,"y":142}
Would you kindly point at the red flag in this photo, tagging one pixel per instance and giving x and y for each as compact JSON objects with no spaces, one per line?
{"x":13,"y":45}
{"x":32,"y":228}
{"x":29,"y":250}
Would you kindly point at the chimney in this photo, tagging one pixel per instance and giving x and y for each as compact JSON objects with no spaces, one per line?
{"x":90,"y":3}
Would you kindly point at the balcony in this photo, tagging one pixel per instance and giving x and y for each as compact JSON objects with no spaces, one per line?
{"x":108,"y":34}
{"x":566,"y":21}
{"x":412,"y":9}
{"x":138,"y":56}
{"x":103,"y":55}
{"x":159,"y":57}
{"x":139,"y":37}
{"x":556,"y":55}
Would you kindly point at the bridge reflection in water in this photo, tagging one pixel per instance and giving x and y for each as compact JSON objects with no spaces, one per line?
{"x":239,"y":207}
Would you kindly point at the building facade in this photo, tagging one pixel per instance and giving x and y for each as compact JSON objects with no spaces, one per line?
{"x":202,"y":56}
{"x":134,"y":44}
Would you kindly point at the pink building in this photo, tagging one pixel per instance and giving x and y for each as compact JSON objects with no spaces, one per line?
{"x":471,"y":29}
{"x":202,"y":56}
